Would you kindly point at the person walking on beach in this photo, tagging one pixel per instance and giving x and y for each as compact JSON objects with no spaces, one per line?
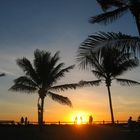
{"x":138,"y":122}
{"x":26,"y":121}
{"x":138,"y":119}
{"x":81,"y":120}
{"x":130,"y":123}
{"x":90,"y":119}
{"x":76,"y":119}
{"x":22,"y":120}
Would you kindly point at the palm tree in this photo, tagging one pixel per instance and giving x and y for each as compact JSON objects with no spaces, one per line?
{"x":101,"y":40}
{"x":41,"y":76}
{"x":107,"y":64}
{"x":118,"y":8}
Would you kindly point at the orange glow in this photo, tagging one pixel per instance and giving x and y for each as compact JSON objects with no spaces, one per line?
{"x":79,"y":117}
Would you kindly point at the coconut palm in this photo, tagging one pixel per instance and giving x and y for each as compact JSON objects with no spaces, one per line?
{"x":101,"y":40}
{"x":118,"y":8}
{"x":41,"y":76}
{"x":107,"y":64}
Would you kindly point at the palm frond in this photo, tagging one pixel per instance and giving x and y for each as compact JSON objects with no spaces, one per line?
{"x":44,"y":65}
{"x":26,"y":81}
{"x":27,"y":68}
{"x":109,"y":17}
{"x":115,"y":62}
{"x":90,"y":83}
{"x":61,"y":72}
{"x":64,"y":87}
{"x":41,"y":62}
{"x":23,"y":88}
{"x":127,"y":65}
{"x":87,"y":58}
{"x":95,"y":60}
{"x":55,"y":58}
{"x":126,"y":82}
{"x":39,"y":55}
{"x":122,"y":6}
{"x":57,"y":68}
{"x":52,"y":60}
{"x":59,"y":98}
{"x":98,"y":74}
{"x":110,"y":39}
{"x":106,"y":4}
{"x":24,"y":64}
{"x":24,"y":84}
{"x":51,"y":75}
{"x":48,"y":69}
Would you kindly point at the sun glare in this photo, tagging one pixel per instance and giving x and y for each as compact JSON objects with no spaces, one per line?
{"x":80,"y":117}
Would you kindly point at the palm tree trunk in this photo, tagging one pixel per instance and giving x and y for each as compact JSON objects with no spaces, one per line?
{"x":41,"y":111}
{"x":39,"y":107}
{"x":110,"y":104}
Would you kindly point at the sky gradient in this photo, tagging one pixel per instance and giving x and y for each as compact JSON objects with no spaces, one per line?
{"x":62,"y":26}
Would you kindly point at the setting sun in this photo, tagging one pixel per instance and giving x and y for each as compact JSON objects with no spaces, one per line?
{"x":80,"y":117}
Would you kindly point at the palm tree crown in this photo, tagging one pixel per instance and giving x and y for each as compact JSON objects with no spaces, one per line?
{"x":118,"y":8}
{"x":101,"y":40}
{"x":42,"y":76}
{"x":107,"y":64}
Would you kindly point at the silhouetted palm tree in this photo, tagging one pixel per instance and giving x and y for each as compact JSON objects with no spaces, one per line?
{"x":107,"y":64}
{"x":118,"y":8}
{"x":42,"y":76}
{"x":101,"y":40}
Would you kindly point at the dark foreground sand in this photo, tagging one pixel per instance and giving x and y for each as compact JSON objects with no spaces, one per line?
{"x":67,"y":132}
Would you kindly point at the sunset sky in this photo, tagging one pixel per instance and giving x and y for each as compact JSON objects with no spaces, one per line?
{"x":59,"y":25}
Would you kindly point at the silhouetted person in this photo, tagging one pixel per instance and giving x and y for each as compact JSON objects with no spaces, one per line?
{"x":26,"y":121}
{"x":90,"y":119}
{"x":22,"y":120}
{"x":76,"y":119}
{"x":81,"y":119}
{"x":139,"y":119}
{"x":130,"y":123}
